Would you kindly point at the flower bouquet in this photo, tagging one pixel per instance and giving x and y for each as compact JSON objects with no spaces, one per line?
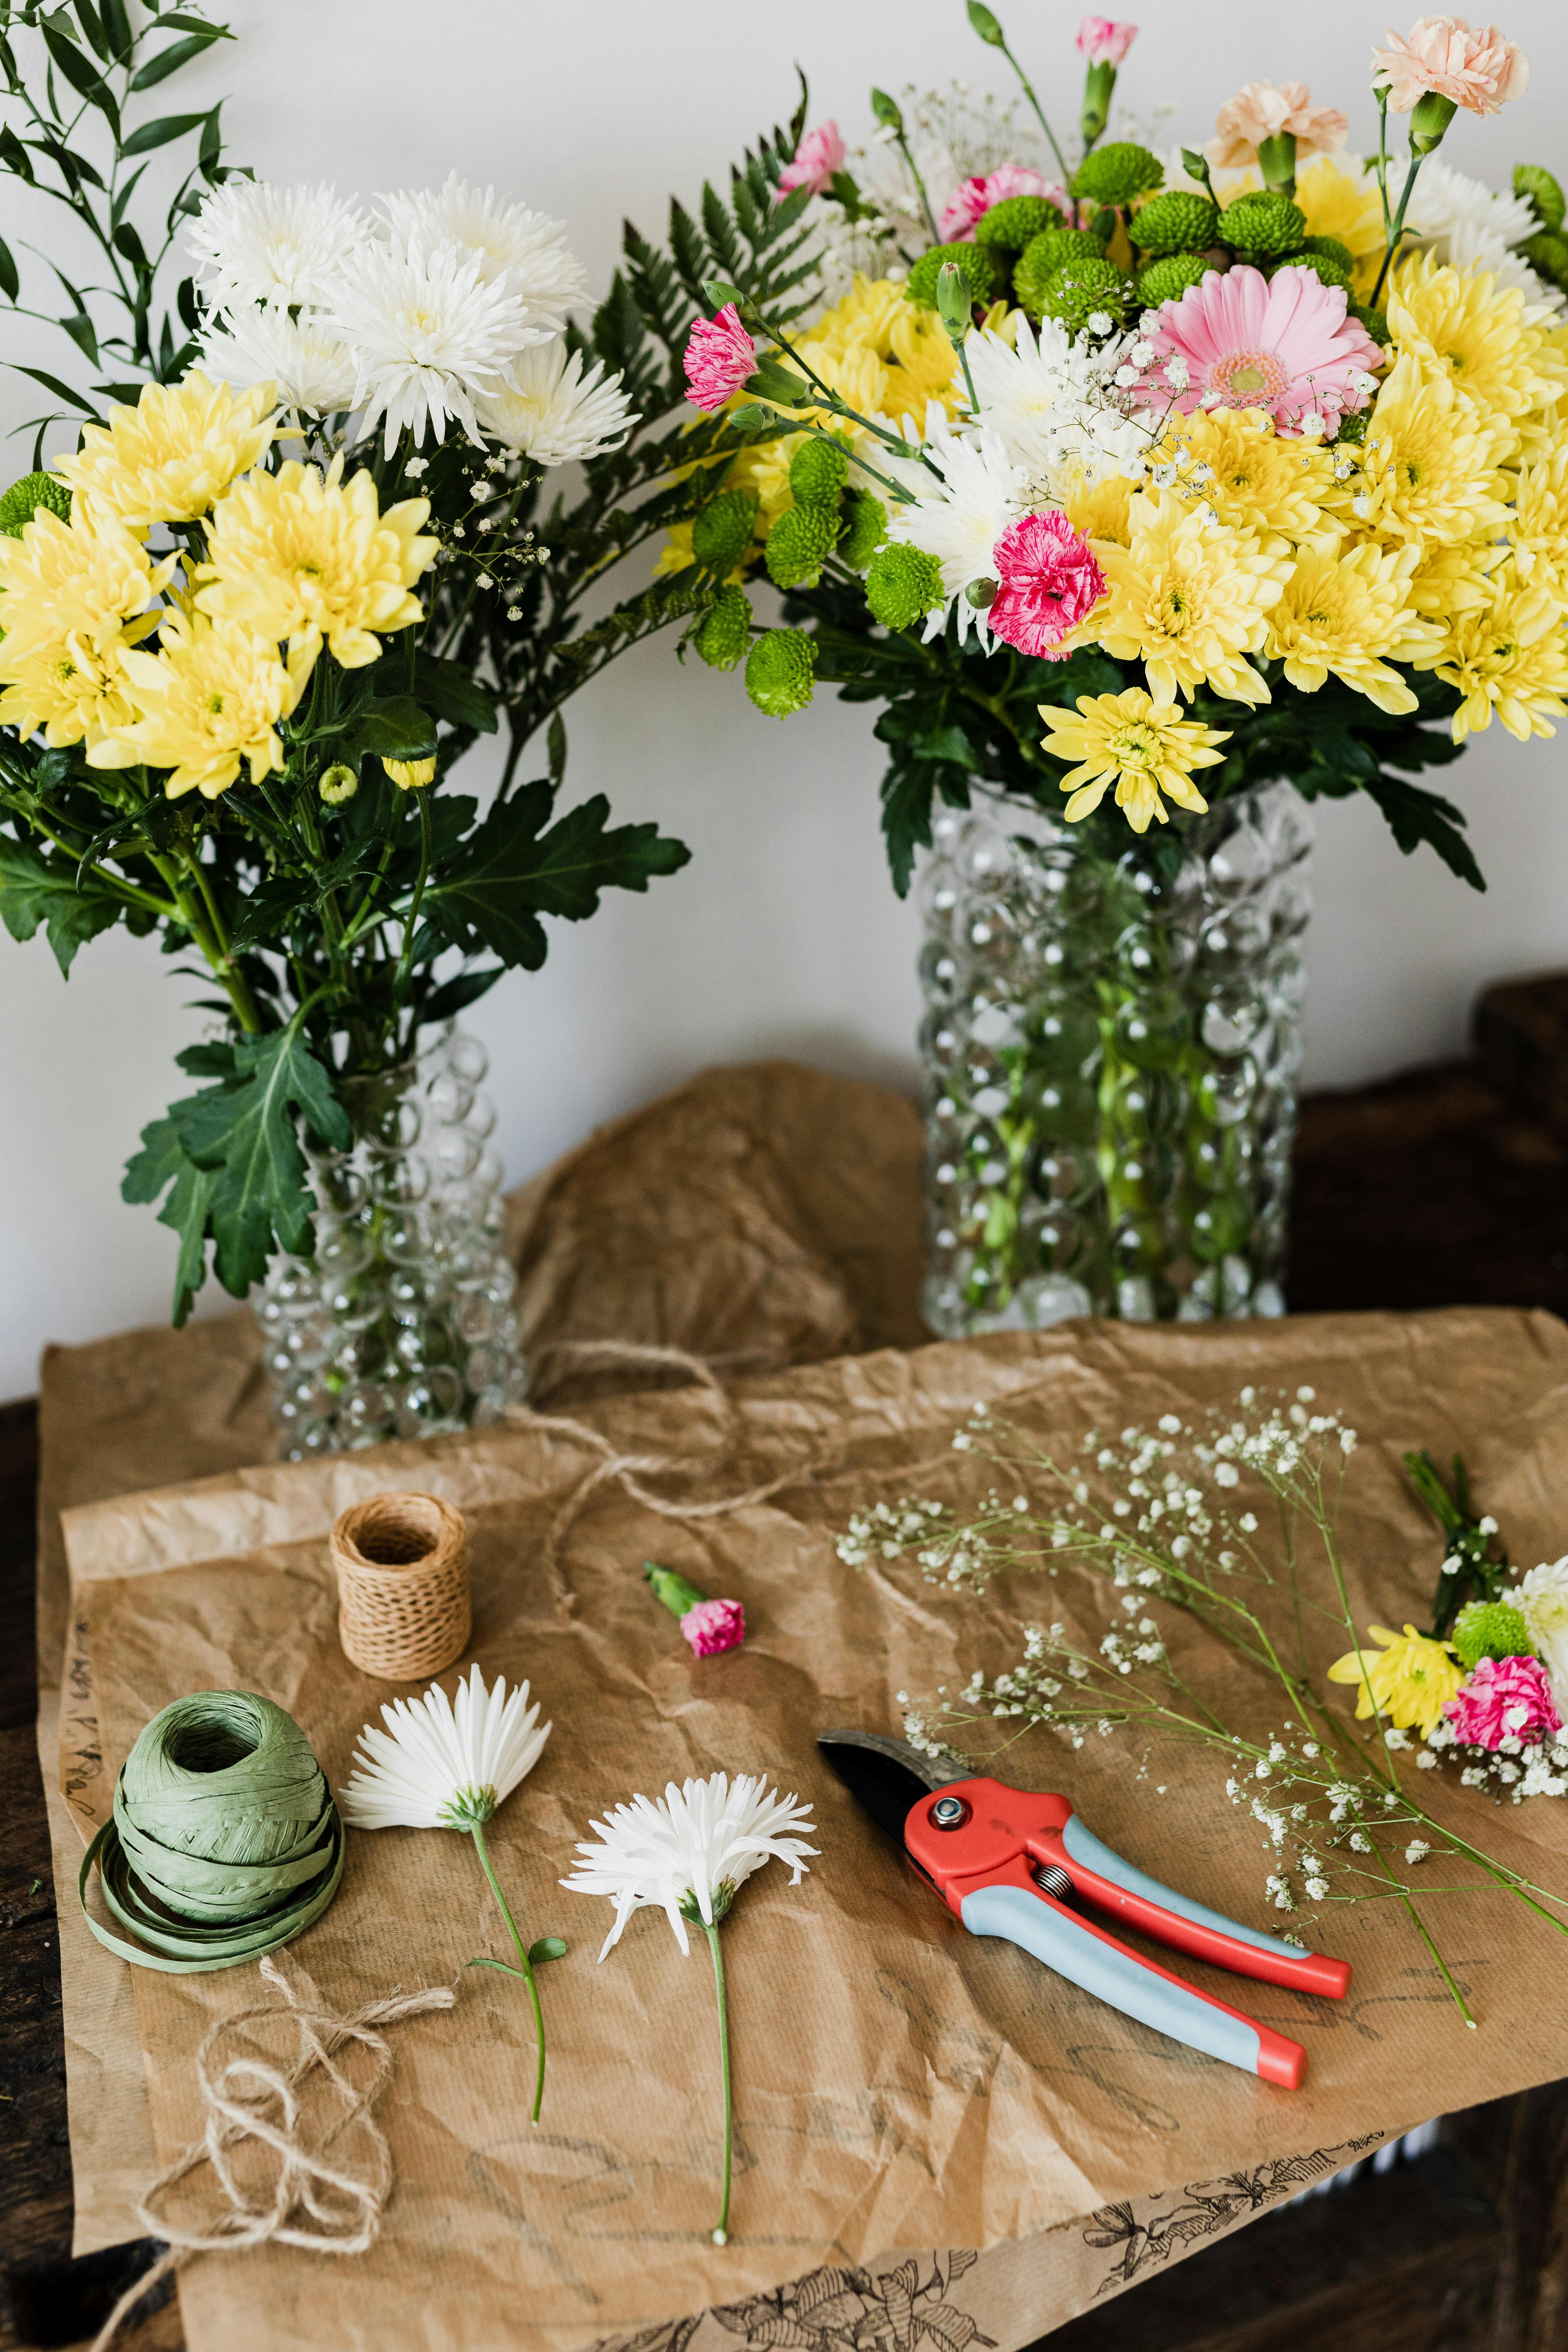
{"x":1242,"y":471}
{"x":299,"y":563}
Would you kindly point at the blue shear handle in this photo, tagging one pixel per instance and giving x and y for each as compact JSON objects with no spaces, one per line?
{"x":1083,"y":1846}
{"x":1110,"y":1974}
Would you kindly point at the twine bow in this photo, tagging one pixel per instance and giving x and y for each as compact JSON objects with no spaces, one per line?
{"x":328,"y":2188}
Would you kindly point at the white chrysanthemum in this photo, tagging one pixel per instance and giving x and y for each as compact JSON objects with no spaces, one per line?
{"x":314,"y":372}
{"x":524,"y":250}
{"x":1468,"y":247}
{"x":1542,"y":1599}
{"x":1053,"y":401}
{"x":690,"y":1850}
{"x":960,"y":520}
{"x":1017,"y":387}
{"x":443,"y":1767}
{"x":553,"y":413}
{"x":254,"y":243}
{"x":430,"y":336}
{"x":1445,"y":201}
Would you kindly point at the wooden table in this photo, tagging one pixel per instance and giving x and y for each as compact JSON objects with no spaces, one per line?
{"x":1444,"y":1186}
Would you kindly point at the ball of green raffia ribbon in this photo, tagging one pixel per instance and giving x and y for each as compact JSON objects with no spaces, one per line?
{"x":225,"y":1840}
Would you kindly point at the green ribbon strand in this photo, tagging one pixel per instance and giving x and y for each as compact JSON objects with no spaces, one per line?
{"x":225,"y":1841}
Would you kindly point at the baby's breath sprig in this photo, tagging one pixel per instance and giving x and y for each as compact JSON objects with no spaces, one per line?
{"x":1233,"y":1520}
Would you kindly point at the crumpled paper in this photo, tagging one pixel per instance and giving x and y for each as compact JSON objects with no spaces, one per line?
{"x":899,"y":2084}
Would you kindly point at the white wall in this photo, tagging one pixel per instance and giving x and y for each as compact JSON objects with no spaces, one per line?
{"x":783,"y":936}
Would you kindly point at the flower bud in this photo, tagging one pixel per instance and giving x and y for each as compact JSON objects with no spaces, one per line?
{"x":1429,"y":119}
{"x":411,"y":775}
{"x":339,"y":784}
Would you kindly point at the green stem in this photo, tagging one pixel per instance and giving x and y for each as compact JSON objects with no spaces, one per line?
{"x":721,"y":2234}
{"x":426,"y":850}
{"x":1398,"y":231}
{"x":907,"y":153}
{"x":1039,"y":115}
{"x":477,"y":1832}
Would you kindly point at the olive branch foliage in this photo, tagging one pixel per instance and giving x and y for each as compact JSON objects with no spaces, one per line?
{"x":327,"y":937}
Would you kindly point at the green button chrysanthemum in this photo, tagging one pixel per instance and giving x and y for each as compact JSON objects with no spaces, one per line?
{"x":781,"y":672}
{"x":817,"y":473}
{"x":1176,"y":222}
{"x":1044,"y":255}
{"x":1084,"y":290}
{"x":23,"y":500}
{"x":799,"y":545}
{"x":983,"y":274}
{"x":904,"y":584}
{"x":725,"y":631}
{"x":722,"y":531}
{"x":1016,"y":220}
{"x":1167,"y":281}
{"x":1264,"y":223}
{"x":1115,"y":175}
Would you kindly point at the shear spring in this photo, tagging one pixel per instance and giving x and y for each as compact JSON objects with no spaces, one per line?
{"x":1054,"y":1881}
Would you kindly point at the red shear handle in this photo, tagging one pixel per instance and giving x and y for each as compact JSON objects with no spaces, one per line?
{"x":1100,"y":1877}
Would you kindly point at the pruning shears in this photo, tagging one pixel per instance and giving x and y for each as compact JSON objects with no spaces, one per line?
{"x":1020,"y":1863}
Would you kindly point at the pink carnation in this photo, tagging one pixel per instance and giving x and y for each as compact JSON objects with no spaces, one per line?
{"x":971,"y":199}
{"x":1478,"y":70}
{"x":1049,"y":581}
{"x":1283,"y":344}
{"x":1104,"y":42}
{"x":1260,"y":111}
{"x":713,"y":1625}
{"x":719,"y":356}
{"x":821,"y":153}
{"x":1503,"y":1698}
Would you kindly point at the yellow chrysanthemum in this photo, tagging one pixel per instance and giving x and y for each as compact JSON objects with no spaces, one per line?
{"x":1187,"y":599}
{"x":70,"y":596}
{"x":1255,"y":480}
{"x":1538,"y":527}
{"x":1429,"y":465}
{"x":168,"y":458}
{"x":1410,"y":1678}
{"x":1448,"y":580}
{"x":1458,"y":325}
{"x":303,"y":555}
{"x":1146,"y":746}
{"x":208,"y":702}
{"x":1509,"y":655}
{"x":1347,"y":611}
{"x":1098,"y":510}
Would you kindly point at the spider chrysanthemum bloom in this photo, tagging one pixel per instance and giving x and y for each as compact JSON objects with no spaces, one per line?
{"x":1254,"y":479}
{"x":1459,"y":325}
{"x":430,"y":335}
{"x":961,"y":522}
{"x":283,"y":246}
{"x":1428,"y":466}
{"x":208,"y":703}
{"x":304,"y":555}
{"x":686,"y":1855}
{"x":1347,"y":613}
{"x":523,"y":251}
{"x":1408,"y":1678}
{"x":1508,"y":656}
{"x":1188,"y":599}
{"x":169,"y":457}
{"x":1142,"y":747}
{"x":312,"y":370}
{"x":553,"y":412}
{"x":447,"y":1765}
{"x":1284,"y":344}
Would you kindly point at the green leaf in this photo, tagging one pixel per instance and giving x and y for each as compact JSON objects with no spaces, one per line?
{"x":212,"y":144}
{"x":79,"y":330}
{"x":92,"y":25}
{"x":32,"y":893}
{"x":985,"y":23}
{"x":1416,"y":816}
{"x":116,"y":25}
{"x":246,"y":1132}
{"x":455,"y":996}
{"x":10,"y":284}
{"x":515,"y":871}
{"x":549,"y":1947}
{"x":556,"y":748}
{"x":505,"y":1966}
{"x":160,"y":131}
{"x":395,"y":729}
{"x":453,"y":694}
{"x":15,"y":156}
{"x":161,"y":1162}
{"x":907,"y":796}
{"x":61,"y":391}
{"x":169,"y":61}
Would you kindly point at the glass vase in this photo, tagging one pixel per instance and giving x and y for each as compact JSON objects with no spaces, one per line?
{"x":403,"y":1324}
{"x":1110,"y":1047}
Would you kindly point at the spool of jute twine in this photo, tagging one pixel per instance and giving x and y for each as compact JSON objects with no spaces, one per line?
{"x":224,"y":1841}
{"x":402,"y":1564}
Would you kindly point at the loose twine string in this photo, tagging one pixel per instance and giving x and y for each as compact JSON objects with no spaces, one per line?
{"x":628,"y":1470}
{"x":317,"y":2198}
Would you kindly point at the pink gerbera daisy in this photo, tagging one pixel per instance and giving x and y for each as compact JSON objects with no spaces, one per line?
{"x":971,"y":199}
{"x":719,"y":356}
{"x":1239,"y":340}
{"x":1050,"y":582}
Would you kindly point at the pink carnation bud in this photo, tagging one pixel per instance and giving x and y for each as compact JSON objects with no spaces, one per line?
{"x":1503,"y":1698}
{"x":972,"y":198}
{"x":821,"y":153}
{"x":713,"y":1625}
{"x":719,"y":356}
{"x":1050,"y":581}
{"x":1104,"y":42}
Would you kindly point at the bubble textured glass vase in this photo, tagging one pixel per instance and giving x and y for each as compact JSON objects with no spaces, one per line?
{"x":403,"y":1324}
{"x":1110,"y":1047}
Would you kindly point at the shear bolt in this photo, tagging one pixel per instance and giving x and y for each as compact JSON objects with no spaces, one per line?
{"x":949,"y":1814}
